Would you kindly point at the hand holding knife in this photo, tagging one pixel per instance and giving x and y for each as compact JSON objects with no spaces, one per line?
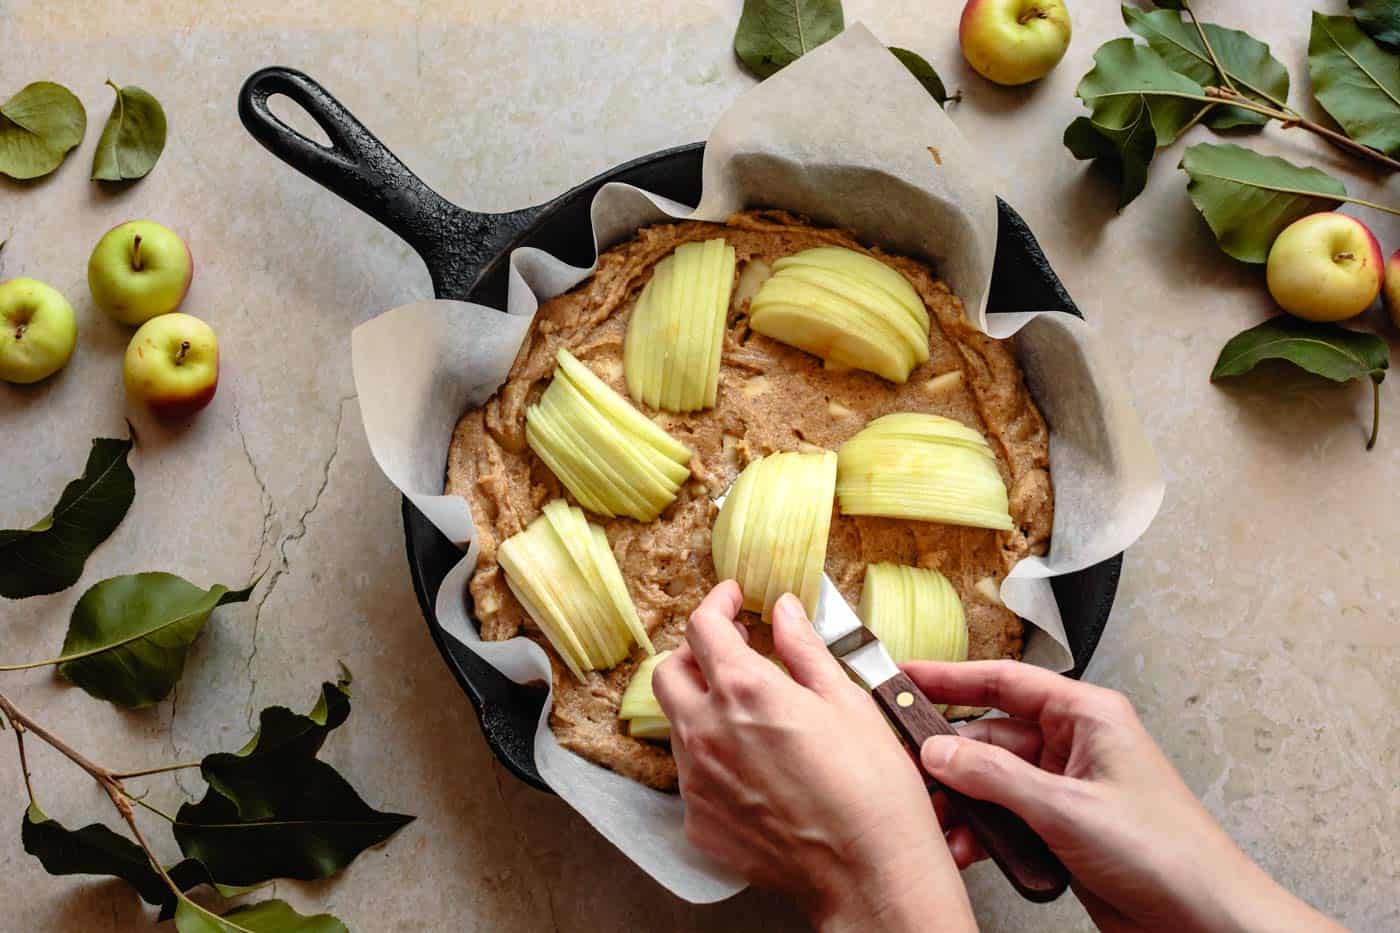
{"x":1023,"y":857}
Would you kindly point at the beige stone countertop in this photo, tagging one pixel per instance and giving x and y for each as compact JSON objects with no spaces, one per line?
{"x":1255,"y":629}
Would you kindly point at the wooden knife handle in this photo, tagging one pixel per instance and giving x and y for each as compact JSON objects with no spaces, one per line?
{"x":1022,"y":856}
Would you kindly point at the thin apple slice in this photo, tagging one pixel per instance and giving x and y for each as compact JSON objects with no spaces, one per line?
{"x":649,"y":727}
{"x":915,"y":612}
{"x":639,"y":699}
{"x":848,"y":308}
{"x":823,"y":489}
{"x":592,"y":468}
{"x":772,"y":530}
{"x":616,"y":455}
{"x":618,"y":411}
{"x":564,"y":574}
{"x":922,"y":467}
{"x":821,"y":324}
{"x":616,"y":588}
{"x":672,"y":349}
{"x":866,"y":298}
{"x":727,"y":536}
{"x":724,"y":284}
{"x":611,"y":457}
{"x":867,"y":269}
{"x":640,"y":709}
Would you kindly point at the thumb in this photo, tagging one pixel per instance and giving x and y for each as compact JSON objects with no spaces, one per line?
{"x":802,"y":651}
{"x":990,"y":772}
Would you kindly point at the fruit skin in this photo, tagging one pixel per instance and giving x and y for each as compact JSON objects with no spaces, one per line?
{"x":671,"y":353}
{"x":563,"y":572}
{"x":172,"y":364}
{"x":38,"y":331}
{"x":772,"y":530}
{"x":1390,"y":290}
{"x":915,"y":612}
{"x":611,"y":457}
{"x":1014,"y":42}
{"x":134,"y":295}
{"x":1325,"y":267}
{"x":923,"y":467}
{"x":846,"y":307}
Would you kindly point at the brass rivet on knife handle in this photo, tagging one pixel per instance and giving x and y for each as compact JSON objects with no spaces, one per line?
{"x":1023,"y":857}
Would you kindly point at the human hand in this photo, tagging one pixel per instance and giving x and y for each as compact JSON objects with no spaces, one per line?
{"x":797,"y":782}
{"x":1076,"y":764}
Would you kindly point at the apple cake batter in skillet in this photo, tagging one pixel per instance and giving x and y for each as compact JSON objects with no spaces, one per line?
{"x":771,"y":397}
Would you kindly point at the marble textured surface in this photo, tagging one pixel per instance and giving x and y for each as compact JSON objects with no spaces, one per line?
{"x":1255,"y":628}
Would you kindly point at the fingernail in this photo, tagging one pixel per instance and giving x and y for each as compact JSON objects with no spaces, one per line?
{"x":937,"y":751}
{"x":790,"y":605}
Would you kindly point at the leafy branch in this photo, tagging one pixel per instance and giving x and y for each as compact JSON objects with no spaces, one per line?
{"x":108,"y":780}
{"x":273,"y":810}
{"x":1144,"y":97}
{"x":1280,"y":111}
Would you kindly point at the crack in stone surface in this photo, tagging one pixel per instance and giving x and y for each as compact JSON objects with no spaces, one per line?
{"x":281,"y":561}
{"x":269,"y":504}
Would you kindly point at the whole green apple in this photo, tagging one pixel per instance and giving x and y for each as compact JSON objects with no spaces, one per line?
{"x":37,"y":330}
{"x":1325,"y":267}
{"x":1014,"y":41}
{"x":139,"y":270}
{"x":172,"y":364}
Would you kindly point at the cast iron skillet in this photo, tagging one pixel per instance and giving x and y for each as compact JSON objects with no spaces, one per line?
{"x":466,"y":254}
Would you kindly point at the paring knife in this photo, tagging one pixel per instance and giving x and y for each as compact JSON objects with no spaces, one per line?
{"x":1021,"y":855}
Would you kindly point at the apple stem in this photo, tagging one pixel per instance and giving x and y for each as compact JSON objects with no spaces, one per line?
{"x":180,"y":354}
{"x":1034,"y":12}
{"x":19,"y":331}
{"x":1375,"y":415}
{"x":136,"y":252}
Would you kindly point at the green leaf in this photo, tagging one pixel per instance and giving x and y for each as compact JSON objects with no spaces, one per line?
{"x":1356,"y":82}
{"x":92,"y":850}
{"x":1380,"y":19}
{"x":1326,"y":350}
{"x":128,"y":635}
{"x":284,"y":739}
{"x":1255,"y":71}
{"x":1124,"y":72}
{"x":49,"y":555}
{"x":773,"y":34}
{"x":133,"y":138}
{"x":97,"y":850}
{"x":1138,"y":104}
{"x":1124,"y":152}
{"x":268,"y":917}
{"x":1248,"y":199}
{"x":273,"y":810}
{"x":38,"y":126}
{"x":925,"y":74}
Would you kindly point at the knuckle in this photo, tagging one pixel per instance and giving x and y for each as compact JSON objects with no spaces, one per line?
{"x":743,"y":685}
{"x":1115,"y":706}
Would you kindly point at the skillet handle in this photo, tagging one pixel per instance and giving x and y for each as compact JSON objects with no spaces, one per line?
{"x":1034,"y":871}
{"x":456,"y":244}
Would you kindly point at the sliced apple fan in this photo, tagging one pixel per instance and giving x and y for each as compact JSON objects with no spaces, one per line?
{"x":639,"y":708}
{"x":610,"y":456}
{"x":915,"y":613}
{"x":922,"y":467}
{"x":564,"y":574}
{"x":772,"y":530}
{"x":847,"y":308}
{"x":671,"y":353}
